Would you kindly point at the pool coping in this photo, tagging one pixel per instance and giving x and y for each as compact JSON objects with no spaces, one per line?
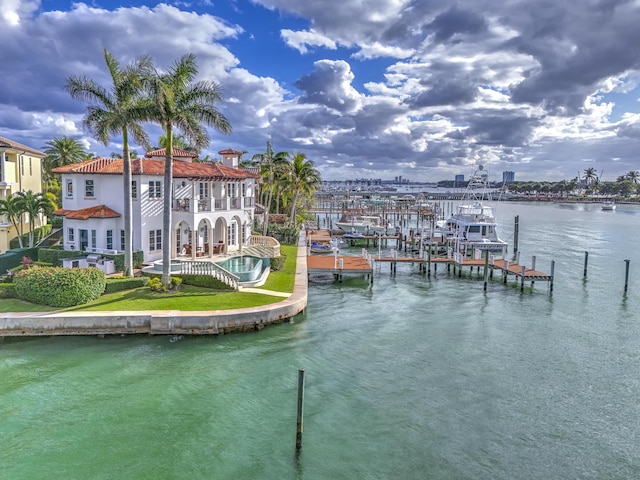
{"x":163,"y":322}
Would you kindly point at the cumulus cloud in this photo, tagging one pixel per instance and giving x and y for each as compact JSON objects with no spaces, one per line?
{"x":366,"y":87}
{"x":300,"y":40}
{"x":330,"y":85}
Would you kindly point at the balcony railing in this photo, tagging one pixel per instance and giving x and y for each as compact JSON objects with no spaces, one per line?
{"x":213,"y":204}
{"x":204,"y":205}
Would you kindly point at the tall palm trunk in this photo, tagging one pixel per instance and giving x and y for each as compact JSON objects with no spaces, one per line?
{"x":265,"y":227}
{"x":166,"y":214}
{"x":293,"y":209}
{"x":128,"y":212}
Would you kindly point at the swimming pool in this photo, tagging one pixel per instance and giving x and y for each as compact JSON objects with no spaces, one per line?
{"x":176,"y":266}
{"x":247,"y":268}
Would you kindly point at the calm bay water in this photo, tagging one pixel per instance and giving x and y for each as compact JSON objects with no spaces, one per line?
{"x":410,"y":378}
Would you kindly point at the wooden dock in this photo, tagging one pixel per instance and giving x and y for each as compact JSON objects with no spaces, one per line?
{"x":339,"y":265}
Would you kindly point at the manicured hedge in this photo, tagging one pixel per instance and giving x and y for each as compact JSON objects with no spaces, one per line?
{"x":7,"y":290}
{"x":277,"y":262}
{"x":206,"y":281}
{"x":125,"y":283}
{"x":54,"y":256}
{"x":59,"y":287}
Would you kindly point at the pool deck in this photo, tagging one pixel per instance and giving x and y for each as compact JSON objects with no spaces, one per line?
{"x":165,"y":322}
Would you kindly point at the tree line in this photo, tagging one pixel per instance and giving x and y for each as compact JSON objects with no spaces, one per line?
{"x":625,"y":185}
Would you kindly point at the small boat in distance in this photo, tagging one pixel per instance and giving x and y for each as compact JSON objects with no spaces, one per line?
{"x":364,"y":224}
{"x":608,"y":206}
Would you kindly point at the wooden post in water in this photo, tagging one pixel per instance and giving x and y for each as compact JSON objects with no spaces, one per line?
{"x":429,"y":261}
{"x":553,"y":266}
{"x":300,"y":417}
{"x":486,"y":269}
{"x":626,"y":276}
{"x":505,"y":270}
{"x":533,"y":267}
{"x":586,"y":262}
{"x":516,"y":228}
{"x":524,"y":270}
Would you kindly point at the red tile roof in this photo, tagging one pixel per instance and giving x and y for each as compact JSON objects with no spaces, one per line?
{"x":229,"y":151}
{"x":100,"y":211}
{"x":141,"y":166}
{"x":177,"y":152}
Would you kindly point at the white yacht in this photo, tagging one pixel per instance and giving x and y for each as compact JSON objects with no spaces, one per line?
{"x":473,"y":225}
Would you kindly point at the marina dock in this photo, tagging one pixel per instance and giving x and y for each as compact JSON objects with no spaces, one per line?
{"x":340,"y":265}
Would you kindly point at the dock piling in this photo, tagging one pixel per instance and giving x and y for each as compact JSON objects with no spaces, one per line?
{"x":626,"y":275}
{"x":486,"y":269}
{"x":300,"y":417}
{"x":586,"y":262}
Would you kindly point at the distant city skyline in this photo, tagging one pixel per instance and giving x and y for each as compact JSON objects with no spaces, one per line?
{"x":422,"y":90}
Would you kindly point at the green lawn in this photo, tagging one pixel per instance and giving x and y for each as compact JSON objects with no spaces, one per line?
{"x":188,"y":298}
{"x":283,"y":281}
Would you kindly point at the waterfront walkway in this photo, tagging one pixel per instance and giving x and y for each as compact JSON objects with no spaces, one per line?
{"x":166,"y":322}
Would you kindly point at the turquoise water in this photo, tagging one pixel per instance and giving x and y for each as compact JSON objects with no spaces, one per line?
{"x":247,"y":268}
{"x":410,"y":378}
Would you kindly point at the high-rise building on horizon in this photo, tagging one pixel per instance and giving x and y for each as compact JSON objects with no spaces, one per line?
{"x":508,"y":177}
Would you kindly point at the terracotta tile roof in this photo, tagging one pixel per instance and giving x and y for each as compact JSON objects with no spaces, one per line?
{"x":229,"y":151}
{"x":177,"y":152}
{"x":100,"y":211}
{"x":140,"y":166}
{"x":6,"y":143}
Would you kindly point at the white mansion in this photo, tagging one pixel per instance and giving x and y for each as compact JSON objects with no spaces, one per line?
{"x":212,"y":205}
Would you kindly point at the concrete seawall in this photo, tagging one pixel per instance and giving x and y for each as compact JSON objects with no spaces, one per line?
{"x":162,"y":322}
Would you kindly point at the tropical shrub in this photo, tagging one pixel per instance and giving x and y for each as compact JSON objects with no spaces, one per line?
{"x":277,"y":263}
{"x":285,"y":235}
{"x":156,"y":285}
{"x":7,"y":290}
{"x":59,"y":287}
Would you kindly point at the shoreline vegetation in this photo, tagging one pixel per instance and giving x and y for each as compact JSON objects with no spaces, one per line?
{"x":188,"y":298}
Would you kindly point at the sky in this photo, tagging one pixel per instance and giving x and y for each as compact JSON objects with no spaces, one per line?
{"x":372,"y":89}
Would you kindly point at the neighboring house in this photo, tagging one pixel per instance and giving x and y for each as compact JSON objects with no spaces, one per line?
{"x":20,"y":171}
{"x":212,"y":205}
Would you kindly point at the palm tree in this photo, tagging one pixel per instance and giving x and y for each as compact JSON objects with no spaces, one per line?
{"x":132,"y":154}
{"x":301,"y":179}
{"x":33,"y":204}
{"x":117,"y":111}
{"x":179,"y":141}
{"x":269,"y":163}
{"x":176,"y":101}
{"x":12,"y":210}
{"x":590,"y":174}
{"x":633,"y":175}
{"x":61,"y":151}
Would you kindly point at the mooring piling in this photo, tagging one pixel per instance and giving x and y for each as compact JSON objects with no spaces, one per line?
{"x":300,"y":418}
{"x":626,"y":275}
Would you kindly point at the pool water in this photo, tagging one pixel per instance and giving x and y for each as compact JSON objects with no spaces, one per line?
{"x":248,"y":268}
